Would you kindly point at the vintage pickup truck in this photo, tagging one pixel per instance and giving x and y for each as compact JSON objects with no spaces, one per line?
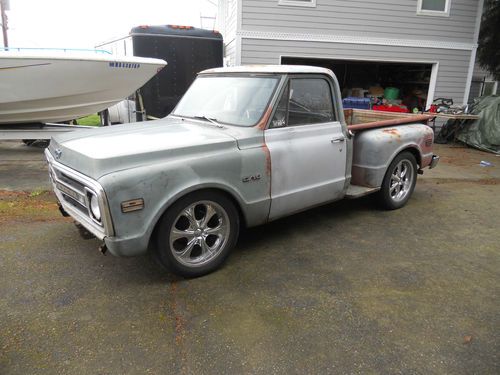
{"x":244,"y":146}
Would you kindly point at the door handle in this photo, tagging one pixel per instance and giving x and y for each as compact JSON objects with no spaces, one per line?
{"x":337,"y":140}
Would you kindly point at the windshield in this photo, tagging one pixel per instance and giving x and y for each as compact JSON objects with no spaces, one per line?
{"x":235,"y":100}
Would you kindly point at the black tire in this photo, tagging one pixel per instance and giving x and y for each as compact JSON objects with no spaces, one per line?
{"x":170,"y":247}
{"x":395,"y":194}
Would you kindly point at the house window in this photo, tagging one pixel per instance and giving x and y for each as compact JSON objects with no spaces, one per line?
{"x":490,"y":88}
{"x":298,"y":3}
{"x":434,"y":7}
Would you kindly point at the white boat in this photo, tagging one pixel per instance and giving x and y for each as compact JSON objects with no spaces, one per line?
{"x":47,"y":87}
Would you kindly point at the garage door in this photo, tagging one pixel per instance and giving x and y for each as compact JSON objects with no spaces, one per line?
{"x":409,"y":83}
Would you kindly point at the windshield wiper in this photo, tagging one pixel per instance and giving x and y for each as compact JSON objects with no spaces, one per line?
{"x":209,"y":119}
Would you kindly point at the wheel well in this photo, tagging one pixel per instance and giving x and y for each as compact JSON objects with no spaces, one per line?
{"x":415,"y":153}
{"x":221,"y":191}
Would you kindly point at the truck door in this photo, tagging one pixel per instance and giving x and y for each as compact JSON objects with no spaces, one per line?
{"x":307,"y":147}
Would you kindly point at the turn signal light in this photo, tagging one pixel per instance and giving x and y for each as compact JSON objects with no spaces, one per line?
{"x":132,"y":205}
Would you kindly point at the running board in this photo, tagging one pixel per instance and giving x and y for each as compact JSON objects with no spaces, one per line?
{"x":357,"y":191}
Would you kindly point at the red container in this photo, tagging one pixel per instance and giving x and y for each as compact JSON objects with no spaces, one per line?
{"x":392,"y":108}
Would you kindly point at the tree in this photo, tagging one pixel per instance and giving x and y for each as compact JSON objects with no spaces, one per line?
{"x":488,"y":52}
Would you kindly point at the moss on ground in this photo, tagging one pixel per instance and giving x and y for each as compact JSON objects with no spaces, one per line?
{"x":39,"y":205}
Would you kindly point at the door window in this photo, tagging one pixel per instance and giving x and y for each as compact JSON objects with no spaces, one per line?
{"x":304,"y":101}
{"x":280,"y":117}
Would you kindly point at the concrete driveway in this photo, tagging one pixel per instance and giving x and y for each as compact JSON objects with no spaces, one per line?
{"x":342,"y":289}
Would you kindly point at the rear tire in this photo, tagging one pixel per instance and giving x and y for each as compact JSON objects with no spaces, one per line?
{"x":399,"y":181}
{"x":197,"y":233}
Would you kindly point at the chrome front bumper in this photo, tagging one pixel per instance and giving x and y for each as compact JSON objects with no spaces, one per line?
{"x":434,"y":161}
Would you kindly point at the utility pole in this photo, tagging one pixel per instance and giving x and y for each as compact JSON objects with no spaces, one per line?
{"x":4,"y":5}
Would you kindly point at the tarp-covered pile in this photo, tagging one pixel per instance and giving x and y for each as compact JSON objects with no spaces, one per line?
{"x":484,"y":133}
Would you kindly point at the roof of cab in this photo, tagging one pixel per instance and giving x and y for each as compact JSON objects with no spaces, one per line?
{"x":280,"y":69}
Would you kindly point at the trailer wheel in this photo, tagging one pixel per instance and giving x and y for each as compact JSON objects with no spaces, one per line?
{"x":399,"y":181}
{"x":197,"y":233}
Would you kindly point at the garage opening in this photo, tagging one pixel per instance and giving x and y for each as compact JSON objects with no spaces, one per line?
{"x":387,"y":86}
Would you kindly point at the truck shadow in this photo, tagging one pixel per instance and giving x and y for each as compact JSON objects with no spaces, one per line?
{"x":258,"y":240}
{"x":327,"y":215}
{"x":144,"y":269}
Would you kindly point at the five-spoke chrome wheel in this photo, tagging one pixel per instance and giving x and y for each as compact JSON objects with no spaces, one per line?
{"x":199,"y":233}
{"x":399,"y":181}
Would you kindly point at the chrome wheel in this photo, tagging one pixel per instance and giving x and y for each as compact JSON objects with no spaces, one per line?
{"x":401,"y":182}
{"x":199,"y":233}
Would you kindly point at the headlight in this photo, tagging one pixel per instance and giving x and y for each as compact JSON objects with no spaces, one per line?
{"x":94,"y":207}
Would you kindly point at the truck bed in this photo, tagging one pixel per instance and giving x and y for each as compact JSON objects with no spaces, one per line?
{"x":361,"y":119}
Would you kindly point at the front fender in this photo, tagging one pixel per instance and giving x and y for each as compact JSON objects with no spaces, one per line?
{"x":161,"y":184}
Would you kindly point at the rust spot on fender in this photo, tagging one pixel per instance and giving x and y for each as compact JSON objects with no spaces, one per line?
{"x":263,"y":122}
{"x":267,"y":154}
{"x":392,"y":131}
{"x":268,"y":159}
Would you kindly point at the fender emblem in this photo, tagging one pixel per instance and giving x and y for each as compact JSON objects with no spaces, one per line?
{"x":58,"y":153}
{"x":251,"y":178}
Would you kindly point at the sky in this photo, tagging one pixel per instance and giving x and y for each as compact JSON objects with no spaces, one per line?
{"x":86,"y":23}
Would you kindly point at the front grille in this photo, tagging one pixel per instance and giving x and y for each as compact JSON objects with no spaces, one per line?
{"x":72,"y":182}
{"x":73,"y":191}
{"x":77,"y":205}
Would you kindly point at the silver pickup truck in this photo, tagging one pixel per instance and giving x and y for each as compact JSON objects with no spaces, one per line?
{"x":244,"y":146}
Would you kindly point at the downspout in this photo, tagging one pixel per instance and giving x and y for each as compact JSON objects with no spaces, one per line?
{"x":239,"y":16}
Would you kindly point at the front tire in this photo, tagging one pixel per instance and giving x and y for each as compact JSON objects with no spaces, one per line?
{"x":197,"y":233}
{"x":399,"y":181}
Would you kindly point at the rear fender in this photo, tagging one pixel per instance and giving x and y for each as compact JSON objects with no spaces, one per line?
{"x":375,"y":149}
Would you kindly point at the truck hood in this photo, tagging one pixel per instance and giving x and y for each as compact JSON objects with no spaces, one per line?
{"x":97,"y":152}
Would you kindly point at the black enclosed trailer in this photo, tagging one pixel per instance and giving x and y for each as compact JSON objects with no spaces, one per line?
{"x":186,"y":49}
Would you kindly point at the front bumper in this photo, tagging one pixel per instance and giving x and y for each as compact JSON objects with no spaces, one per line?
{"x":67,"y":195}
{"x":434,"y":161}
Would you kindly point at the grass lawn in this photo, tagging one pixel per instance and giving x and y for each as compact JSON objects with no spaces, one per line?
{"x":92,"y":120}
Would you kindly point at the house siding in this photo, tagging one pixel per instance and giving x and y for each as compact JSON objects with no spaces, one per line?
{"x":261,"y":31}
{"x":393,"y":19}
{"x":230,"y":52}
{"x":451,"y":77}
{"x":229,"y":28}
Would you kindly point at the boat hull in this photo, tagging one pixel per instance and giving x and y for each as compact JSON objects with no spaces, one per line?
{"x":38,"y":89}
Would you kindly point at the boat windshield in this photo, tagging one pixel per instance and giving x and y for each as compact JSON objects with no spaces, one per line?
{"x":233,"y":100}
